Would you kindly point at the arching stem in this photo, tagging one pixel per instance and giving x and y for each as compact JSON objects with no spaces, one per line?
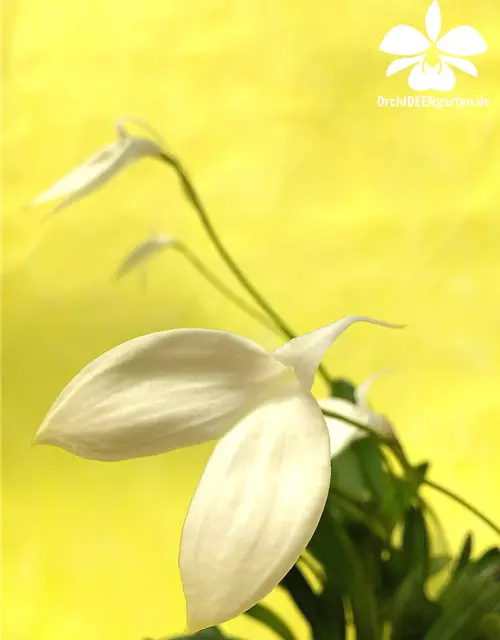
{"x":226,"y":291}
{"x":195,"y":200}
{"x":399,"y":452}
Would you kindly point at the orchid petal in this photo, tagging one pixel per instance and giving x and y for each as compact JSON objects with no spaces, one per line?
{"x":143,"y":252}
{"x":402,"y":63}
{"x":462,"y":41}
{"x":159,"y":392}
{"x":462,"y":64}
{"x":342,"y":433}
{"x":404,"y":40}
{"x":361,"y":391}
{"x":304,"y":353}
{"x":98,"y":170}
{"x":256,"y":507}
{"x":86,"y":173}
{"x":433,"y":21}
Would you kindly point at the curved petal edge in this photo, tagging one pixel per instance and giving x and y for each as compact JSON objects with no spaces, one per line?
{"x":159,"y":392}
{"x":256,"y":507}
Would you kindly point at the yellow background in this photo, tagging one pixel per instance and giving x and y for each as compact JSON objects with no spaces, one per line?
{"x":331,"y":204}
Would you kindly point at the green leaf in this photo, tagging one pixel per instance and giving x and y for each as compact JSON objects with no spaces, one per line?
{"x":491,"y":557}
{"x":472,"y":595}
{"x":357,"y":582}
{"x":379,"y":481}
{"x":349,"y":510}
{"x":308,"y":603}
{"x":404,"y":575}
{"x":437,"y":564}
{"x":261,"y":613}
{"x":490,"y":627}
{"x":340,"y":388}
{"x":393,"y":572}
{"x":347,"y":475}
{"x":410,"y":612}
{"x":420,"y":472}
{"x":416,"y":544}
{"x":333,"y":604}
{"x":371,"y":462}
{"x":465,"y":554}
{"x":406,"y":493}
{"x":348,"y":571}
{"x":462,"y":619}
{"x":327,"y":549}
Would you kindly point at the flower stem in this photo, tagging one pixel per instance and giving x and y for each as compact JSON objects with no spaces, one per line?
{"x":361,"y":427}
{"x":195,"y":200}
{"x":408,"y":468}
{"x":464,"y":503}
{"x":223,"y":288}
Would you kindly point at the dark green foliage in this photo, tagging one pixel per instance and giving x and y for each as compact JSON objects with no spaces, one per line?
{"x":340,"y":388}
{"x":207,"y":634}
{"x":374,"y":545}
{"x":464,"y":557}
{"x":266,"y":616}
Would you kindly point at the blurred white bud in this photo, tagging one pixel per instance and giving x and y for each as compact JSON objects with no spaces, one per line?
{"x":100,"y":168}
{"x":342,"y":433}
{"x":143,"y":252}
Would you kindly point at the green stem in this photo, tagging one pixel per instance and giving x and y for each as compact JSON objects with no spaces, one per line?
{"x":441,"y":534}
{"x":464,"y":503}
{"x":223,"y":288}
{"x":311,"y":607}
{"x":368,"y":430}
{"x":195,"y":200}
{"x":399,"y":452}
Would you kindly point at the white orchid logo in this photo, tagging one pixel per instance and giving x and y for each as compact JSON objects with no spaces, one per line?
{"x":431,"y":57}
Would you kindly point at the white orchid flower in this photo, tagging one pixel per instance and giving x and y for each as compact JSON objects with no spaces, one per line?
{"x":405,"y":40}
{"x":95,"y":172}
{"x":342,"y":433}
{"x":265,"y":486}
{"x":143,"y":252}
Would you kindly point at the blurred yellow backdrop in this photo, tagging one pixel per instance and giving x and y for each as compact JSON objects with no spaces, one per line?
{"x":331,"y":204}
